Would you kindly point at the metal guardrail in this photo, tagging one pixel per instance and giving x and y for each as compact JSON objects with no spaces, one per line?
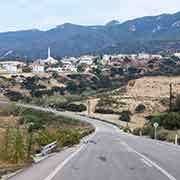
{"x":46,"y":150}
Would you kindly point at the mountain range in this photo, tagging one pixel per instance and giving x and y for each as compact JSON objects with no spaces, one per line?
{"x":146,"y":34}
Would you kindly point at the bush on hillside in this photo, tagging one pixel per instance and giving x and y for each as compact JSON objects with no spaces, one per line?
{"x":104,"y":110}
{"x":176,"y":104}
{"x":147,"y":130}
{"x":140,"y":108}
{"x":76,"y":107}
{"x":125,"y":116}
{"x":168,"y":120}
{"x":14,"y":96}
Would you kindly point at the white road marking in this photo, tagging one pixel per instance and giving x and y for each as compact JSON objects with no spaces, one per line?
{"x":60,"y":166}
{"x":163,"y":171}
{"x":128,"y":148}
{"x":146,"y":162}
{"x":53,"y":174}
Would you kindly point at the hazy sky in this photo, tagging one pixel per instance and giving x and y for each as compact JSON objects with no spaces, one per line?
{"x":44,"y":14}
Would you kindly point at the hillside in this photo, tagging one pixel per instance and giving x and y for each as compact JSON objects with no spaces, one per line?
{"x":151,"y":34}
{"x":152,"y":92}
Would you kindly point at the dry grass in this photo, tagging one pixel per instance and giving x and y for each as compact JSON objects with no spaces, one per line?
{"x":153,"y":87}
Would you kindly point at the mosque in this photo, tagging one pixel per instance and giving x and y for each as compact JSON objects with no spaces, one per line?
{"x":49,"y":60}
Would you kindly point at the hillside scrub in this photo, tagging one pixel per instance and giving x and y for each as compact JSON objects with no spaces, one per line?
{"x":125,"y":116}
{"x":140,"y":108}
{"x":168,"y":120}
{"x":61,"y":103}
{"x":106,"y":105}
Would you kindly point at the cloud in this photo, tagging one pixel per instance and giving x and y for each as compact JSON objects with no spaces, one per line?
{"x":23,"y":14}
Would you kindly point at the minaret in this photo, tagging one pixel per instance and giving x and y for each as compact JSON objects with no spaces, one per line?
{"x":49,"y":52}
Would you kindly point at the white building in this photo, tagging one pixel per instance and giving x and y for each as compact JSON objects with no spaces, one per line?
{"x":37,"y":68}
{"x":13,"y":63}
{"x":71,"y":60}
{"x":11,"y":69}
{"x":177,"y":55}
{"x":156,"y":56}
{"x":62,"y":69}
{"x":86,"y":60}
{"x":133,"y":56}
{"x":106,"y":57}
{"x":11,"y":66}
{"x":144,"y":56}
{"x":49,"y":60}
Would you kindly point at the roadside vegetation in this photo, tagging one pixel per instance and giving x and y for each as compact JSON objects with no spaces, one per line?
{"x":23,"y":133}
{"x":107,"y":105}
{"x":169,"y":123}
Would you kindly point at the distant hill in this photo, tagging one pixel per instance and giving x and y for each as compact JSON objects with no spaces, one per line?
{"x":151,"y":34}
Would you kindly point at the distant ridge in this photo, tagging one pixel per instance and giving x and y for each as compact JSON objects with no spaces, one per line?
{"x":150,"y":33}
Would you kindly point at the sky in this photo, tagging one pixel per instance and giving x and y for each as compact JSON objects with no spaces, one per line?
{"x":46,"y":14}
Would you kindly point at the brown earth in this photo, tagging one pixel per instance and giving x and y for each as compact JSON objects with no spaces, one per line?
{"x":149,"y":91}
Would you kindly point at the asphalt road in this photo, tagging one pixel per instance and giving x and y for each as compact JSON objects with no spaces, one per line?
{"x":108,"y":154}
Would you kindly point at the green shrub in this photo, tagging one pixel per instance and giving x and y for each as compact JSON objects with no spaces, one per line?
{"x":30,"y":118}
{"x":14,"y":96}
{"x":127,"y":130}
{"x":148,"y":130}
{"x":104,"y":110}
{"x":171,"y":121}
{"x":75,"y":107}
{"x":140,"y":108}
{"x":176,"y":104}
{"x":43,"y":138}
{"x":72,"y":87}
{"x":125,"y":116}
{"x":68,"y":137}
{"x":168,"y":120}
{"x":26,"y":69}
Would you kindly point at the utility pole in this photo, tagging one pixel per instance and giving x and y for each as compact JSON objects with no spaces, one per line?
{"x":89,"y":107}
{"x":170,"y":96}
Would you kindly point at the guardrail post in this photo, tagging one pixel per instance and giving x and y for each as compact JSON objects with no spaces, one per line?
{"x":176,"y":139}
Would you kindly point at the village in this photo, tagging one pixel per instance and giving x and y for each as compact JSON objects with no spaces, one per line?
{"x":82,"y":64}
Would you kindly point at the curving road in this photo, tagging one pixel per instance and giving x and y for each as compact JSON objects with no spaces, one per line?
{"x":108,"y":154}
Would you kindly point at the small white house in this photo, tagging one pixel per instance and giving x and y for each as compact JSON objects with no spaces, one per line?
{"x":67,"y":67}
{"x":156,"y":56}
{"x":37,"y":68}
{"x":86,"y":60}
{"x":144,"y":56}
{"x":177,"y":55}
{"x":11,"y":66}
{"x":11,"y":69}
